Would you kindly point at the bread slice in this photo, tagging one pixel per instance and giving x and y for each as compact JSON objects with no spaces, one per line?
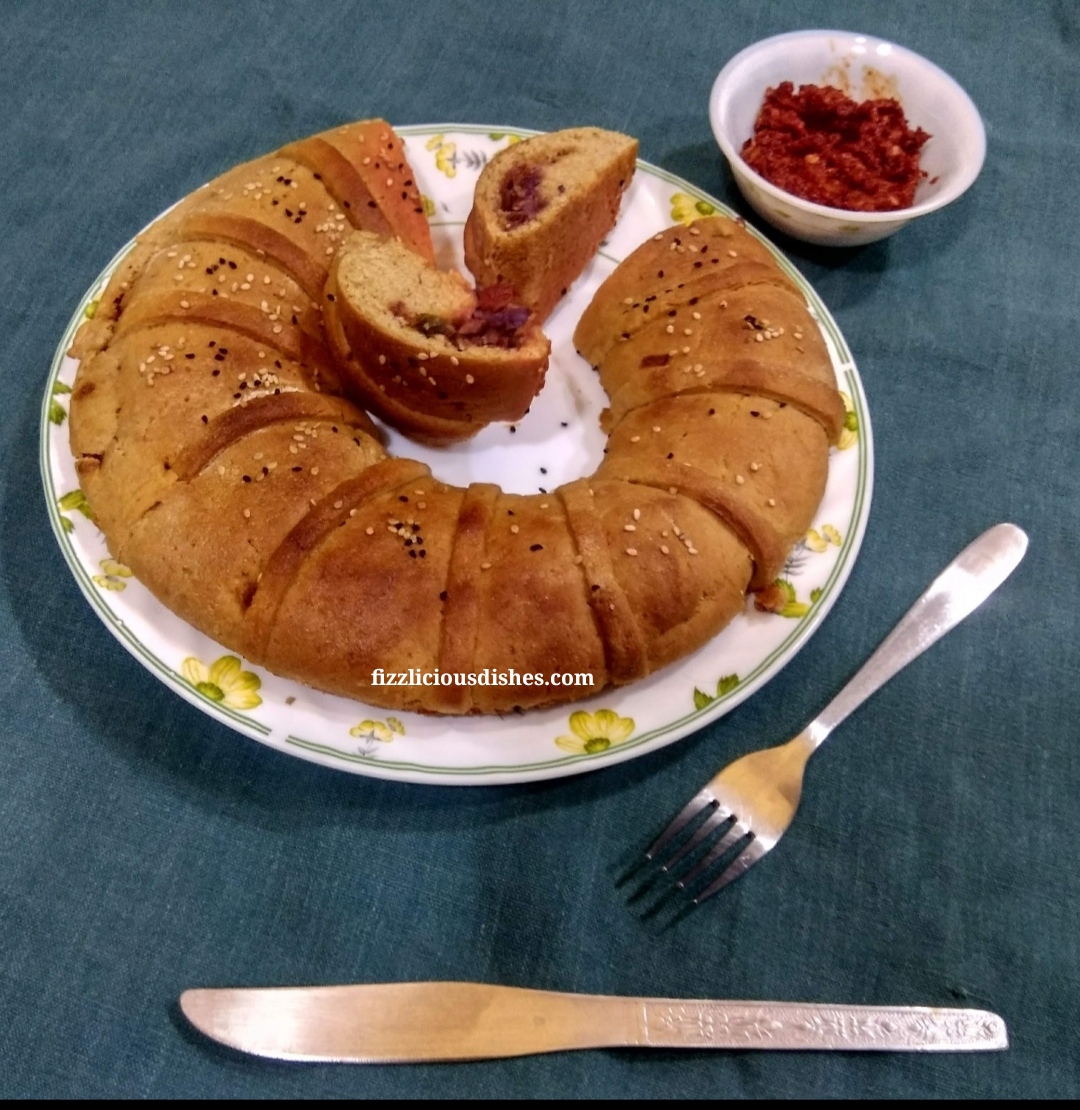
{"x":542,"y":208}
{"x":424,"y":351}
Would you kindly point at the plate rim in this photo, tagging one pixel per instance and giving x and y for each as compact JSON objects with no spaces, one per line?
{"x":495,"y":774}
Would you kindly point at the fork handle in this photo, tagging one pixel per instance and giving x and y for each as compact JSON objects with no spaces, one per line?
{"x":960,"y":589}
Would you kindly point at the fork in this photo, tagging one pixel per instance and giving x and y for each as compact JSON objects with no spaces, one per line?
{"x":755,"y":798}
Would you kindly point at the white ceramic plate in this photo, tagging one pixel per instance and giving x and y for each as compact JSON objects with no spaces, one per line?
{"x":559,"y":440}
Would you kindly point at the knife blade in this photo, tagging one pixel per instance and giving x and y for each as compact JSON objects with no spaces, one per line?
{"x":385,"y":1023}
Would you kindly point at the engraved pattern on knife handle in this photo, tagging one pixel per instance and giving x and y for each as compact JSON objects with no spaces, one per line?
{"x":790,"y":1026}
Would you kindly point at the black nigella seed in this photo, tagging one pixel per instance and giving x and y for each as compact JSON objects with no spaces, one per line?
{"x":443,"y":595}
{"x":537,"y":547}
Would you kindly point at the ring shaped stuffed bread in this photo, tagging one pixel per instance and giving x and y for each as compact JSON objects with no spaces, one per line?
{"x":220,"y":434}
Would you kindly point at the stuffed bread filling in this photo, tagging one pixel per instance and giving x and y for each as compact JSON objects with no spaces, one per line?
{"x":495,"y":321}
{"x":519,"y":195}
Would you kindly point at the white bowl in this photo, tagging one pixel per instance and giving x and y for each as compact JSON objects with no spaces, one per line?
{"x":863,"y":67}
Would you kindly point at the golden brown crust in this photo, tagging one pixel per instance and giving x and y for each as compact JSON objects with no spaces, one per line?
{"x":668,"y":270}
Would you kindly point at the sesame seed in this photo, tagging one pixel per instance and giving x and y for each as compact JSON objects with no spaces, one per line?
{"x":368,"y":530}
{"x":314,"y":470}
{"x":635,"y":439}
{"x":514,"y":529}
{"x":629,"y":528}
{"x":637,"y":514}
{"x":485,"y":566}
{"x":454,"y":360}
{"x":578,"y":560}
{"x":247,"y":514}
{"x":772,"y":502}
{"x":469,"y":378}
{"x":631,"y":551}
{"x":421,"y":504}
{"x":656,"y":427}
{"x":670,"y":329}
{"x":382,"y":360}
{"x":733,"y":254}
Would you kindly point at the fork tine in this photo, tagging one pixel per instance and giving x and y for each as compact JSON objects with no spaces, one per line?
{"x":713,"y":821}
{"x":697,"y":803}
{"x":751,"y":854}
{"x":721,"y":847}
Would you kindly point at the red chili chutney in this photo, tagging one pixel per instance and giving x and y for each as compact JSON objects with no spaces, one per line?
{"x":823,"y":146}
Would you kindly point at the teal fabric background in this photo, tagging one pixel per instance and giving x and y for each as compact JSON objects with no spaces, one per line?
{"x":145,"y":849}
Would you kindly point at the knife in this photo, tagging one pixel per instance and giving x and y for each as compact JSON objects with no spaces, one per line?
{"x":399,"y":1023}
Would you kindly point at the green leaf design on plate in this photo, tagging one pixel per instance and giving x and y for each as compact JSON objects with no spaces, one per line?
{"x":60,"y":387}
{"x":66,"y":524}
{"x":701,"y":700}
{"x":815,"y":593}
{"x":726,"y":684}
{"x":91,"y":310}
{"x":57,"y":413}
{"x":75,"y":501}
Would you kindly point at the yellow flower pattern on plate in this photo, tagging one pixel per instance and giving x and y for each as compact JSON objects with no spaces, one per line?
{"x":444,"y":154}
{"x":224,"y":681}
{"x":378,"y":730}
{"x":595,"y":732}
{"x":819,"y":541}
{"x":685,"y":209}
{"x":850,"y":433}
{"x":112,"y":575}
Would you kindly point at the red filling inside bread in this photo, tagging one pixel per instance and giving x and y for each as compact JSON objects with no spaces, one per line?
{"x":520,"y":195}
{"x":495,"y":321}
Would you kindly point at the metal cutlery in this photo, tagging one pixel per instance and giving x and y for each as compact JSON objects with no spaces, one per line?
{"x":749,"y":805}
{"x":397,"y":1023}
